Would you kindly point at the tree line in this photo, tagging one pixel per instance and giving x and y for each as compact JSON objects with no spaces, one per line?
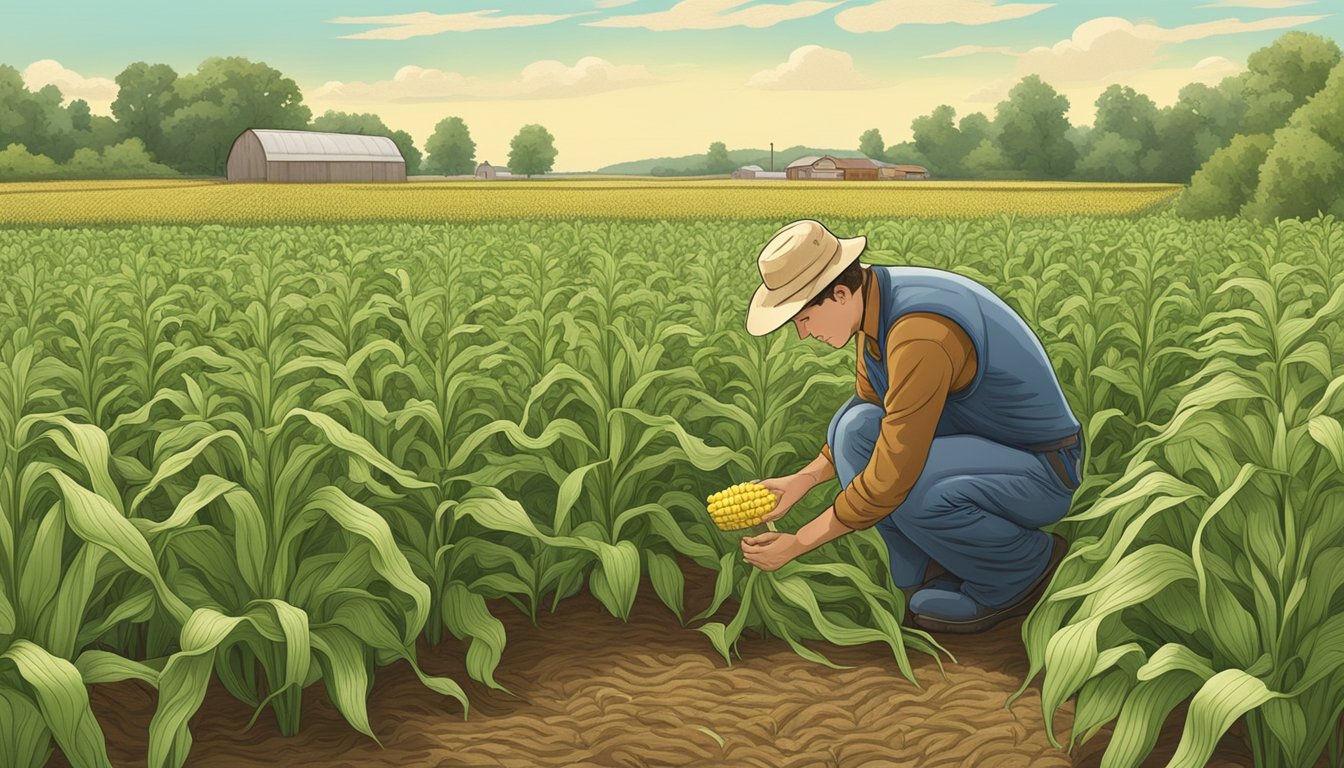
{"x":166,"y":124}
{"x":1266,"y":142}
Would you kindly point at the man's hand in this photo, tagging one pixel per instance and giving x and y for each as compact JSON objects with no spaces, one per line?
{"x":789,"y":489}
{"x":771,"y":550}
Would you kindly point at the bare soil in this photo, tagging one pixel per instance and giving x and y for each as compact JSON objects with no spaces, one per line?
{"x":594,"y":691}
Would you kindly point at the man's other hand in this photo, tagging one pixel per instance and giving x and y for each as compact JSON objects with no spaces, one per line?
{"x":788,"y":491}
{"x":771,"y":550}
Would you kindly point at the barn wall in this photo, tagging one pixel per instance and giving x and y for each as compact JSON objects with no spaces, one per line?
{"x":247,"y":160}
{"x":315,"y":171}
{"x":861,"y":174}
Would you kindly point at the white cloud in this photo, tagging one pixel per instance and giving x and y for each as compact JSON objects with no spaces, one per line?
{"x":546,"y":79}
{"x":812,"y":68}
{"x":1271,"y":4}
{"x":968,"y":50}
{"x":408,"y":25}
{"x":992,"y":93}
{"x":1106,"y":46}
{"x":97,"y":91}
{"x":612,"y":3}
{"x":884,"y":15}
{"x":717,"y":14}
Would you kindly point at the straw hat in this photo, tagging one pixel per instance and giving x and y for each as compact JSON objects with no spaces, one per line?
{"x":800,"y":260}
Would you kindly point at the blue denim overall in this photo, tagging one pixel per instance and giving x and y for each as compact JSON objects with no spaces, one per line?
{"x":986,"y":489}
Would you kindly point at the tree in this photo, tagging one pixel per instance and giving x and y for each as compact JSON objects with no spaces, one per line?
{"x":532,"y":151}
{"x":1303,"y":172}
{"x":1280,"y":77}
{"x":1227,"y":180}
{"x":146,"y":98}
{"x":451,"y":150}
{"x":986,"y":161}
{"x":908,"y":154}
{"x":369,"y":124}
{"x":223,"y":98}
{"x":18,"y":164}
{"x":1112,"y":157}
{"x":80,"y":116}
{"x":974,"y":129}
{"x":717,"y":159}
{"x":871,"y":145}
{"x":127,"y":160}
{"x":937,"y":138}
{"x":1122,"y":145}
{"x":1032,"y":129}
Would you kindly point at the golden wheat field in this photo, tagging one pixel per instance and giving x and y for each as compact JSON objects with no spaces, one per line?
{"x":174,"y":201}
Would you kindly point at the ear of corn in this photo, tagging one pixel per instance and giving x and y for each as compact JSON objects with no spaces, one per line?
{"x":740,"y":506}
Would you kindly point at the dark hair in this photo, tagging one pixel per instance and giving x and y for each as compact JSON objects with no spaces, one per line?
{"x":851,"y":278}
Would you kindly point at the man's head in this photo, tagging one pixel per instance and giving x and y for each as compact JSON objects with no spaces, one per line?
{"x":835,"y":314}
{"x":812,"y":277}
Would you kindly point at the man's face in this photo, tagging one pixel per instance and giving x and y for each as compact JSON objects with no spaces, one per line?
{"x":833,"y":322}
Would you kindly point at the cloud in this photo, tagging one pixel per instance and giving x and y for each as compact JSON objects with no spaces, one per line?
{"x":968,"y":50}
{"x":95,"y":90}
{"x":888,"y":14}
{"x":546,"y":79}
{"x":812,"y":68}
{"x":408,"y":25}
{"x":612,"y":3}
{"x":717,"y":14}
{"x":1270,"y":4}
{"x":1162,"y":85}
{"x":1106,"y":46}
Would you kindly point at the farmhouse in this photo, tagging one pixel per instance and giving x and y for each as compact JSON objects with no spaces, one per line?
{"x":756,"y":172}
{"x":262,"y":154}
{"x":851,"y":169}
{"x":488,"y":171}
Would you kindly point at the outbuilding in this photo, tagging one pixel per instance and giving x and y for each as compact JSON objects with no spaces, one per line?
{"x":264,"y":154}
{"x":756,"y":172}
{"x":487,"y":171}
{"x":852,"y":169}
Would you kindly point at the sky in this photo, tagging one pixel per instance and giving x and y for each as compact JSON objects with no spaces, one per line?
{"x":618,"y":80}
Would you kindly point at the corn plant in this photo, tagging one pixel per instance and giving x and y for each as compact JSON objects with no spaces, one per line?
{"x":64,"y":544}
{"x":1222,"y":533}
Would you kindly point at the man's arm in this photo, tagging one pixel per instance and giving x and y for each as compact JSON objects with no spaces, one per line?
{"x":924,"y":357}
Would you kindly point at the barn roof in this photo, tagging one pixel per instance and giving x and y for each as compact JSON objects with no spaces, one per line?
{"x":853,"y":162}
{"x":911,"y":168}
{"x":332,"y":147}
{"x":809,"y":160}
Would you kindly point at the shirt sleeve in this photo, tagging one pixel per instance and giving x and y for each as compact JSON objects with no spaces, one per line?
{"x":925,"y":354}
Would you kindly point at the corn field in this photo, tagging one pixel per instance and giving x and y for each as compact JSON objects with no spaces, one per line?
{"x":282,"y":455}
{"x":194,"y":202}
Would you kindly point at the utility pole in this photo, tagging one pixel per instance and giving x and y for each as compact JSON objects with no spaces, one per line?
{"x":772,"y":156}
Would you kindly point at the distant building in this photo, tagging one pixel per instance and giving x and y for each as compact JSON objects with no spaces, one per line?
{"x":756,"y":172}
{"x":899,"y":172}
{"x":851,"y":169}
{"x":263,"y":154}
{"x":488,"y":171}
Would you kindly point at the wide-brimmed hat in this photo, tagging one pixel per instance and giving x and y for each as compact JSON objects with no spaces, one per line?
{"x":800,"y":260}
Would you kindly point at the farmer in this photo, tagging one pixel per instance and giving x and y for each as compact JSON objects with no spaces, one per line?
{"x":959,"y":445}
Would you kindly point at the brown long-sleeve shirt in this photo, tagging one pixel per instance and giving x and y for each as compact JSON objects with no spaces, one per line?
{"x":928,"y":356}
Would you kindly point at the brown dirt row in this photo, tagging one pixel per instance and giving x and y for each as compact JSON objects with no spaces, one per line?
{"x":594,"y":691}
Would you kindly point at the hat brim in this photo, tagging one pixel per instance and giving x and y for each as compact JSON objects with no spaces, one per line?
{"x":767,"y":312}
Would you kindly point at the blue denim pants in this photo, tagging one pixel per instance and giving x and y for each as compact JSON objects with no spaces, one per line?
{"x":976,"y":509}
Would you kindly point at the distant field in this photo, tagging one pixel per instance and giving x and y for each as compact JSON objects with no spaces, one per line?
{"x":181,"y":201}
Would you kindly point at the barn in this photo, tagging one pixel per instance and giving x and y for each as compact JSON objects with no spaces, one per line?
{"x":263,"y":154}
{"x":852,"y":169}
{"x":487,"y":171}
{"x":756,"y":172}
